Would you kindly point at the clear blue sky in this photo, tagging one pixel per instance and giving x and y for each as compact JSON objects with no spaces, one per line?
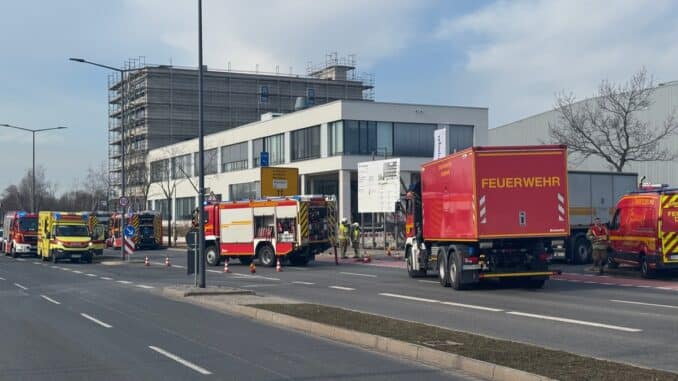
{"x":509,"y":56}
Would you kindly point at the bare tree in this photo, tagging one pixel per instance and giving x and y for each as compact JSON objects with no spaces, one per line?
{"x":97,"y":182}
{"x":608,"y":125}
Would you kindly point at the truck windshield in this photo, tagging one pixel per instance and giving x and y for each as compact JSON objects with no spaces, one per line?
{"x":71,"y":231}
{"x":146,"y":231}
{"x":27,"y":224}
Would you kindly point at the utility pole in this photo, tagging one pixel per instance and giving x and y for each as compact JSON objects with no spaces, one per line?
{"x":201,"y":156}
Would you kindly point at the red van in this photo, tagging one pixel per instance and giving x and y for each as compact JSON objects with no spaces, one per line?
{"x":644,"y":230}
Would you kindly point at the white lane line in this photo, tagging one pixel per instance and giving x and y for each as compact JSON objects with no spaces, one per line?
{"x":573,"y":321}
{"x":472,"y":306}
{"x":406,"y":297}
{"x":1,"y":278}
{"x":47,"y":298}
{"x":55,"y":267}
{"x":427,"y":281}
{"x":304,"y":283}
{"x":643,"y":304}
{"x":453,"y":304}
{"x":358,"y":274}
{"x":144,"y":286}
{"x":124,"y":282}
{"x":20,"y":286}
{"x":101,"y":323}
{"x":21,"y":259}
{"x":342,"y":288}
{"x":215,"y":271}
{"x":259,"y":285}
{"x":77,"y":272}
{"x":65,"y":268}
{"x":179,"y":266}
{"x":92,"y":275}
{"x":181,"y":361}
{"x":255,"y":276}
{"x":37,"y":263}
{"x":106,"y":278}
{"x":665,"y":288}
{"x":644,"y":286}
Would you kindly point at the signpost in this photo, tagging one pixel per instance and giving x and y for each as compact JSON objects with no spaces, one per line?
{"x":263,"y":159}
{"x":439,"y":143}
{"x":278,"y":182}
{"x":378,"y":186}
{"x":129,"y":239}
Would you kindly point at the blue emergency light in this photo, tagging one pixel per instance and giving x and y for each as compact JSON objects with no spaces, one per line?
{"x":57,"y":216}
{"x":21,"y":214}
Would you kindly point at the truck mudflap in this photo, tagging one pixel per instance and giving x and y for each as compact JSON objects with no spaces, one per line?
{"x":520,"y":274}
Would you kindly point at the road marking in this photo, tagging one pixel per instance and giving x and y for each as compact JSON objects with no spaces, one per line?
{"x":573,"y":321}
{"x":643,"y":304}
{"x":409,"y":297}
{"x":37,"y":263}
{"x":77,"y":272}
{"x":65,"y":268}
{"x":259,"y":285}
{"x":214,"y":271}
{"x":92,"y":275}
{"x":106,"y":278}
{"x":1,"y":278}
{"x":55,"y":267}
{"x":179,"y":266}
{"x":665,"y":288}
{"x":305,"y":283}
{"x":358,"y":274}
{"x":101,"y":323}
{"x":181,"y":361}
{"x":453,"y":304}
{"x":427,"y":281}
{"x":47,"y":298}
{"x":124,"y":282}
{"x":472,"y":306}
{"x":144,"y":286}
{"x":644,"y":286}
{"x":20,"y":286}
{"x":255,"y":276}
{"x":342,"y":288}
{"x":20,"y":259}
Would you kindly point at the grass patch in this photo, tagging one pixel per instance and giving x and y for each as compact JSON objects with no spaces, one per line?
{"x":546,"y":362}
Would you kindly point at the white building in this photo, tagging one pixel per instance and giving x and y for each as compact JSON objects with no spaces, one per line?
{"x":325,"y":143}
{"x":534,"y":130}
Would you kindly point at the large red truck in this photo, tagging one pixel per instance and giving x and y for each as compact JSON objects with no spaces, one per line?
{"x":295,"y":227}
{"x":21,"y":233}
{"x":488,"y":212}
{"x":147,"y":229}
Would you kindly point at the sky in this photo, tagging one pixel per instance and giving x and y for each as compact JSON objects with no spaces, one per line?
{"x":509,"y":56}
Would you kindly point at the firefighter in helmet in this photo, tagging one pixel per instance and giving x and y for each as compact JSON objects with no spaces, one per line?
{"x":343,"y":236}
{"x":598,"y":235}
{"x":355,"y":239}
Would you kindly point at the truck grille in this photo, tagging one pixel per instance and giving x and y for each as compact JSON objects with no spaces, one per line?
{"x":30,"y":239}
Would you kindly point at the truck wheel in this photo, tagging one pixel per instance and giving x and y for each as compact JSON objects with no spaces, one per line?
{"x":645,"y":270}
{"x":14,"y":253}
{"x":213,"y":258}
{"x":409,"y":261}
{"x":443,"y":273}
{"x":266,"y":255}
{"x":455,"y":270}
{"x":582,"y":250}
{"x":245,"y":259}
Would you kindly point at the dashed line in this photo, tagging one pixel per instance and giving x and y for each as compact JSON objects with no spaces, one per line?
{"x":427,"y":281}
{"x":665,"y":288}
{"x":179,"y":266}
{"x":65,"y":268}
{"x":92,"y":275}
{"x":77,"y":272}
{"x":214,"y":271}
{"x":643,"y":304}
{"x":95,"y":320}
{"x":124,"y":282}
{"x":453,"y":304}
{"x":342,"y":288}
{"x":255,"y":276}
{"x":304,"y":283}
{"x":47,"y":298}
{"x":471,"y":306}
{"x":106,"y":278}
{"x":406,"y":297}
{"x":259,"y":285}
{"x":20,"y":259}
{"x":573,"y":321}
{"x":1,"y":278}
{"x":37,"y":263}
{"x":21,"y":287}
{"x":181,"y":361}
{"x":358,"y":274}
{"x":144,"y":286}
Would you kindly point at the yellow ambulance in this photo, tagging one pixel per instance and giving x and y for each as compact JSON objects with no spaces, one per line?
{"x":64,"y":236}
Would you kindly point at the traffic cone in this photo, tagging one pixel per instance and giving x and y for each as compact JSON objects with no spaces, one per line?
{"x":226,"y":270}
{"x":146,"y":262}
{"x":253,"y":268}
{"x":277,"y":266}
{"x":167,"y":262}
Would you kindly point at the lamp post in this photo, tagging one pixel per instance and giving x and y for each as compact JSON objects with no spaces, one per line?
{"x":33,"y":208}
{"x":122,"y":139}
{"x":201,"y":155}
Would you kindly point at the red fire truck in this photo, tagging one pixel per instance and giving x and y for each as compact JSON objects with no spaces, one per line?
{"x":488,"y":212}
{"x":296,"y":227}
{"x":147,"y":229}
{"x":21,"y":233}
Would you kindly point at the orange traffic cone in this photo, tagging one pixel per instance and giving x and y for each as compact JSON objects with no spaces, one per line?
{"x":253,"y":268}
{"x":226,"y":270}
{"x":146,"y":262}
{"x":277,"y":266}
{"x":167,"y":262}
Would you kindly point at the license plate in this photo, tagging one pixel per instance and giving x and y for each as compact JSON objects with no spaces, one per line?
{"x":75,"y":256}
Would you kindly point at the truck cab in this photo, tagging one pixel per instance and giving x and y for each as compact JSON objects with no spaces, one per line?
{"x":64,"y":236}
{"x":20,"y":233}
{"x":644,"y":230}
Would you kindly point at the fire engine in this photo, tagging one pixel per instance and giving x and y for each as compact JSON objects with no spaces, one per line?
{"x":98,"y":223}
{"x":488,"y":213}
{"x":147,"y":229}
{"x":644,"y":230}
{"x":295,"y":227}
{"x":21,"y":233}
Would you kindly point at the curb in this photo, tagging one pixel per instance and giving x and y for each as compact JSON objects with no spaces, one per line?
{"x":443,"y":360}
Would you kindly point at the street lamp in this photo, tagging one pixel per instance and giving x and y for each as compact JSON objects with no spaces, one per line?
{"x":33,"y":208}
{"x":122,"y":139}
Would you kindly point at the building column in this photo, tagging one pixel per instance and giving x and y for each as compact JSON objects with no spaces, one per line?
{"x":302,"y":184}
{"x":250,"y":154}
{"x":287,"y":143}
{"x":324,"y":140}
{"x":344,"y":194}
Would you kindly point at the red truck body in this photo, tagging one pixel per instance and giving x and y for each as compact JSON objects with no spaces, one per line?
{"x":488,"y":212}
{"x":21,"y":233}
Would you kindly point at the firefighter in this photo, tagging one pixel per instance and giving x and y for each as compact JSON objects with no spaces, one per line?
{"x":343,"y":236}
{"x":355,"y":239}
{"x":598,"y":235}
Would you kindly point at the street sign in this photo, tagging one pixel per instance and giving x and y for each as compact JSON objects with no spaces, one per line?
{"x":439,"y":143}
{"x":378,"y":186}
{"x":123,"y":201}
{"x":263,"y":159}
{"x":129,"y":245}
{"x":278,"y":181}
{"x":129,"y":231}
{"x":212,"y":197}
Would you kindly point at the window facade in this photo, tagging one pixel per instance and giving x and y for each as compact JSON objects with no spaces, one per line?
{"x":181,"y":166}
{"x":274,"y":145}
{"x":159,"y":170}
{"x":360,"y":137}
{"x":211,"y":162}
{"x":234,"y":157}
{"x":183,"y":209}
{"x":162,"y":207}
{"x":306,"y":143}
{"x":459,"y":137}
{"x":413,"y":139}
{"x":243,"y":191}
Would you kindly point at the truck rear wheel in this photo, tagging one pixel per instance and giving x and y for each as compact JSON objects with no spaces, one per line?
{"x":645,"y":270}
{"x":213,"y":258}
{"x":443,"y":269}
{"x":266,"y":255}
{"x":581,"y":252}
{"x":410,"y":264}
{"x":455,"y":268}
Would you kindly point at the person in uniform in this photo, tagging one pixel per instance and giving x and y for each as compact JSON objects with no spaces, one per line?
{"x":343,"y":236}
{"x":598,"y":235}
{"x":355,"y":239}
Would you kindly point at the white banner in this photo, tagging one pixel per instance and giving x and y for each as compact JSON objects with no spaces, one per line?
{"x":378,"y":186}
{"x":439,"y":143}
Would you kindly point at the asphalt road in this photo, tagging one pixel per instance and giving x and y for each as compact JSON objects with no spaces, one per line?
{"x":620,"y":318}
{"x":105,"y":322}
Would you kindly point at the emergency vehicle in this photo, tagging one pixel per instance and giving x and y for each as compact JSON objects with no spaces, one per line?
{"x":488,"y":213}
{"x":21,"y":233}
{"x":296,"y":227}
{"x":64,"y":236}
{"x":98,"y":223}
{"x":644,"y":230}
{"x":147,"y":229}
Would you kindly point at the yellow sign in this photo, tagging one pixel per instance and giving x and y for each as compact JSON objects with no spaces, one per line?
{"x":520,"y":182}
{"x":276,"y":181}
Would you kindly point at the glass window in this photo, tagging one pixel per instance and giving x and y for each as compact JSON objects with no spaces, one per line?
{"x":385,"y":138}
{"x":159,"y":170}
{"x":243,"y":191}
{"x":413,"y":139}
{"x":459,"y":137}
{"x":234,"y":157}
{"x":336,"y":138}
{"x":184,"y":208}
{"x":162,"y":207}
{"x":181,"y":166}
{"x":211,"y":162}
{"x":306,"y":143}
{"x":274,"y":145}
{"x":361,"y":137}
